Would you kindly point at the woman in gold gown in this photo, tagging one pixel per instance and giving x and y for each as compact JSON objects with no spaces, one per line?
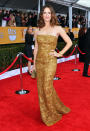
{"x":45,"y":63}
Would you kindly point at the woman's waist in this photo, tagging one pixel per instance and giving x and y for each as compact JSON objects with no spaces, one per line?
{"x":43,"y":54}
{"x":45,"y":51}
{"x":46,"y":48}
{"x":46,"y":58}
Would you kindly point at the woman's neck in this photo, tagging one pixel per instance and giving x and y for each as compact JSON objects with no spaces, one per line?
{"x":47,"y":25}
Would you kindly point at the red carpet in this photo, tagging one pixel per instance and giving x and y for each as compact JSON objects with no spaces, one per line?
{"x":21,"y":112}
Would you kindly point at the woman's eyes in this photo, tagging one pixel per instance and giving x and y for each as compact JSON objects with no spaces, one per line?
{"x":46,"y":12}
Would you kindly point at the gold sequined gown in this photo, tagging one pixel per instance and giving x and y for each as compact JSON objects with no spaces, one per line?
{"x":51,"y":107}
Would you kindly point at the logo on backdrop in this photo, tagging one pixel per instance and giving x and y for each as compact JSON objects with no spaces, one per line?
{"x":12,"y":34}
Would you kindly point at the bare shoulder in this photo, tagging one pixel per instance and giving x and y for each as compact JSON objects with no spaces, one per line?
{"x":36,"y":30}
{"x":59,"y":28}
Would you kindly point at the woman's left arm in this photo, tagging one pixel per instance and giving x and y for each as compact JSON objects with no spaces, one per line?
{"x":66,"y":38}
{"x":60,"y":31}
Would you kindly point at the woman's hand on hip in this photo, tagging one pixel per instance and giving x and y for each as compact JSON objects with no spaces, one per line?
{"x":54,"y":53}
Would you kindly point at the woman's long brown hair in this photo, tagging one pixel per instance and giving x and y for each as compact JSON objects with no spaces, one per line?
{"x":53,"y":20}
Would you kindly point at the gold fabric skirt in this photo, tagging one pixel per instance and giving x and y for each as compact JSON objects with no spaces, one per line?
{"x":51,"y":107}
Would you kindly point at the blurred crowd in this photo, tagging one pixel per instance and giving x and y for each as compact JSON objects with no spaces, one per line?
{"x":78,"y":21}
{"x":20,"y":18}
{"x":17,"y":18}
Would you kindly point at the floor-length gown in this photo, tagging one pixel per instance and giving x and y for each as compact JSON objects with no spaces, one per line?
{"x":51,"y":107}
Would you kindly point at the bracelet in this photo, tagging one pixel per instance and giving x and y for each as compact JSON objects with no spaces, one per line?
{"x":60,"y":54}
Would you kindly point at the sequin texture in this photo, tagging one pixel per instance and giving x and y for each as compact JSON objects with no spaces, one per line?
{"x":51,"y":107}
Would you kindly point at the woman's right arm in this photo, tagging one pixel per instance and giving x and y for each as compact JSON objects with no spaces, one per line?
{"x":35,"y":49}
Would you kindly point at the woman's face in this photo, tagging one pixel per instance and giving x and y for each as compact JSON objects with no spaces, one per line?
{"x":30,"y":30}
{"x":47,"y":15}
